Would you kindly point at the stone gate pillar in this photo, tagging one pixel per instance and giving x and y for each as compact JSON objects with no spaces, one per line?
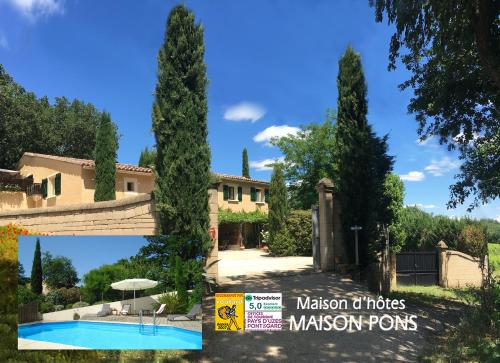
{"x":326,"y":247}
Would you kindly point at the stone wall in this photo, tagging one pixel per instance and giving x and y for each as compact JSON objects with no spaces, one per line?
{"x":213,"y":255}
{"x":457,"y":269}
{"x":141,"y":303}
{"x":128,"y":216}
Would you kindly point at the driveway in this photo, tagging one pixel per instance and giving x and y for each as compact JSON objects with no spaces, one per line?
{"x":234,"y":265}
{"x":315,"y":346}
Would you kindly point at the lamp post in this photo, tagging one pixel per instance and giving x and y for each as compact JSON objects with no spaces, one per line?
{"x":356,"y":229}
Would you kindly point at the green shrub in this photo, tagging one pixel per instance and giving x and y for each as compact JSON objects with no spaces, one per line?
{"x":282,"y":244}
{"x":76,"y":316}
{"x":299,"y":225}
{"x":25,"y":295}
{"x":70,"y":295}
{"x":80,"y":304}
{"x":172,"y":303}
{"x":46,"y":307}
{"x":58,"y":307}
{"x":472,"y":240}
{"x":55,"y":297}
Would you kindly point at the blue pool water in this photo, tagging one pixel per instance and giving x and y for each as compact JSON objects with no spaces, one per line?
{"x":97,"y":335}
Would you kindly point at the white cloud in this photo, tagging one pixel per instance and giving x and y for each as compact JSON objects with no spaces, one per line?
{"x":244,"y":111}
{"x":266,"y":164}
{"x":413,"y":176}
{"x":422,"y":206}
{"x":498,"y":218}
{"x":3,"y":42}
{"x":34,"y":9}
{"x":439,"y":167}
{"x":275,"y":132}
{"x":431,"y":141}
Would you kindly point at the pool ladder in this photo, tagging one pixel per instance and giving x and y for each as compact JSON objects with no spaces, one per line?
{"x":147,"y":329}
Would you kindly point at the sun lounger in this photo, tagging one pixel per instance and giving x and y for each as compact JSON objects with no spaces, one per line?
{"x":195,"y":311}
{"x":105,"y":310}
{"x":160,"y":309}
{"x":125,"y":309}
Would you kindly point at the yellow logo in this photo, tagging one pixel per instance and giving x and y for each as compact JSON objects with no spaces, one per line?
{"x":229,"y":311}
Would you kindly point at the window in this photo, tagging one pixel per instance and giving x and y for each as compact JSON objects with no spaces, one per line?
{"x":130,"y":185}
{"x":233,"y":193}
{"x":259,"y":195}
{"x":51,"y":186}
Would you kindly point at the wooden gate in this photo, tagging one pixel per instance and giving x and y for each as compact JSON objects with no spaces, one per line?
{"x":417,"y":268}
{"x":28,"y":312}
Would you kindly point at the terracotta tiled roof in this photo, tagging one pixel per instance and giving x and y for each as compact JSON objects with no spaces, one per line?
{"x":240,"y":178}
{"x":86,"y":163}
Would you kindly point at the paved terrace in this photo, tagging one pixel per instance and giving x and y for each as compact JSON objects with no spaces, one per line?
{"x":234,"y":265}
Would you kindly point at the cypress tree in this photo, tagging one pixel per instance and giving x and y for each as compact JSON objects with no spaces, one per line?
{"x":180,"y":127}
{"x":362,"y":159}
{"x":147,"y":158}
{"x":278,"y":205}
{"x":36,"y":270}
{"x":105,"y":160}
{"x":181,"y":283}
{"x":245,"y":170}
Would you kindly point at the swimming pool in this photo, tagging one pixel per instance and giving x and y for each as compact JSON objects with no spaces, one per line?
{"x":100,"y":335}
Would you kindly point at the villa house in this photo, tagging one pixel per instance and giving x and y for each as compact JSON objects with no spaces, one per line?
{"x":48,"y":180}
{"x":44,"y":181}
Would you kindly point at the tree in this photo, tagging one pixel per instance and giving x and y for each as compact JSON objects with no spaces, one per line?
{"x":36,"y":270}
{"x":452,"y":49}
{"x":58,"y":271}
{"x":309,"y":156}
{"x":361,"y":157}
{"x":147,"y":158}
{"x":105,"y":160}
{"x":180,"y":128}
{"x":245,"y":170}
{"x":21,"y":279}
{"x":278,"y":205}
{"x":97,"y":283}
{"x":181,"y":283}
{"x":65,"y":128}
{"x":393,"y":200}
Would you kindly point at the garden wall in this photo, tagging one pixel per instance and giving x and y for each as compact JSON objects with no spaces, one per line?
{"x":144,"y":303}
{"x":457,"y":269}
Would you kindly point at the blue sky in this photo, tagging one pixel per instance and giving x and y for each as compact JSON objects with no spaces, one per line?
{"x":272,"y":66}
{"x":86,"y":252}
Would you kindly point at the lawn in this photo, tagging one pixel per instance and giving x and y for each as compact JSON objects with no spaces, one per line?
{"x":429,"y":295}
{"x":494,"y":257}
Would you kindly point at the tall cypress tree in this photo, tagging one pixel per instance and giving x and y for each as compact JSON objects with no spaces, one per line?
{"x":36,"y":270}
{"x":105,"y":160}
{"x":245,"y":170}
{"x":362,"y":159}
{"x":278,"y":205}
{"x":181,"y":283}
{"x":180,"y":127}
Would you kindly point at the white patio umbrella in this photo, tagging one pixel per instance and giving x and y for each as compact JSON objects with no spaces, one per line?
{"x":134,"y":284}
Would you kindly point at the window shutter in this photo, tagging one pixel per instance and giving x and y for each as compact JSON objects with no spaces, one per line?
{"x":253,"y":194}
{"x":44,"y":188}
{"x":57,"y":184}
{"x":240,"y":194}
{"x":266,"y":195}
{"x":226,"y":192}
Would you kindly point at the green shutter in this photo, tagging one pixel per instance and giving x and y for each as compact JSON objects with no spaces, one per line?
{"x":253,"y":194}
{"x":266,"y":195}
{"x":240,"y":194}
{"x":226,"y":192}
{"x":44,"y":188}
{"x":57,"y":182}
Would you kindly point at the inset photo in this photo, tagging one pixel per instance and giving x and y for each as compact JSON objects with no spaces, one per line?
{"x":108,"y":292}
